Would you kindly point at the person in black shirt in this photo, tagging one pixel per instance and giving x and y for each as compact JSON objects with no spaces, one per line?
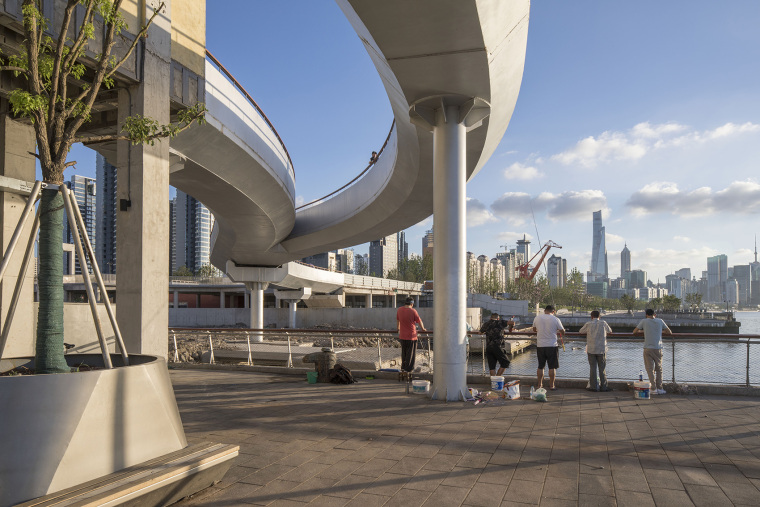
{"x":495,"y":352}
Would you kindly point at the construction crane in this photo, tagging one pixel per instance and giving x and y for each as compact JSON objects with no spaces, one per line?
{"x":524,"y":270}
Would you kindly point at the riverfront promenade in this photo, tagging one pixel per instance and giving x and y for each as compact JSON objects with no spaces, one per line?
{"x":369,"y":444}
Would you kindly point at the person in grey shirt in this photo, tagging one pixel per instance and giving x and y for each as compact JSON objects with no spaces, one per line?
{"x":596,"y":347}
{"x":653,"y":328}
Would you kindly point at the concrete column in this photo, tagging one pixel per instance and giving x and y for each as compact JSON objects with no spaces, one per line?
{"x":416,"y":301}
{"x":16,"y":141}
{"x":450,"y":273}
{"x":292,"y":306}
{"x":142,"y":217}
{"x":176,"y":299}
{"x":368,"y":300}
{"x":394,"y":301}
{"x":257,"y":306}
{"x":221,"y":299}
{"x":246,"y":298}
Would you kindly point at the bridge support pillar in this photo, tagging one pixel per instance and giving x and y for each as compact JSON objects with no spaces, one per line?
{"x":257,"y":306}
{"x":142,"y":217}
{"x":449,"y":118}
{"x":368,"y":300}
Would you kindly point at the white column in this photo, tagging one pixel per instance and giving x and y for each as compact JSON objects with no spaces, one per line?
{"x":368,"y":300}
{"x":176,"y":299}
{"x":257,"y":306}
{"x":292,"y":306}
{"x":221,"y":299}
{"x":416,"y":301}
{"x":450,"y":273}
{"x":246,"y":298}
{"x":394,"y":301}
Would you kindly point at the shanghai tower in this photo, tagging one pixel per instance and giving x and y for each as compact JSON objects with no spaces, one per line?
{"x":599,"y":250}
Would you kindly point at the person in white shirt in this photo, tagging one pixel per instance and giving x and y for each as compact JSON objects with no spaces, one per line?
{"x":547,"y":328}
{"x":596,"y":347}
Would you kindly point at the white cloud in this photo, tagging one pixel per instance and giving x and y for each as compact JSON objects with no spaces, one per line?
{"x":518,"y":171}
{"x":518,"y":207}
{"x":637,"y":142}
{"x":669,"y":260}
{"x":478,"y":213}
{"x":614,"y":241}
{"x":682,"y":239}
{"x":740,"y":198}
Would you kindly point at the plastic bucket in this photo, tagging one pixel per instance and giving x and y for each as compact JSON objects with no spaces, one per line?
{"x":641,"y":390}
{"x":497,"y":383}
{"x":420,"y":386}
{"x":311,"y":377}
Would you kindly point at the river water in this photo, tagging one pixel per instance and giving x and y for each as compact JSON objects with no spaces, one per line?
{"x":695,"y":362}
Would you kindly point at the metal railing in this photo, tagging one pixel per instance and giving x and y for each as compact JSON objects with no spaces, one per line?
{"x":358,"y":176}
{"x":242,"y":90}
{"x":687,"y":358}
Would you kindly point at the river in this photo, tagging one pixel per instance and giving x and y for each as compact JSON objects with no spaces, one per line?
{"x":723,"y":363}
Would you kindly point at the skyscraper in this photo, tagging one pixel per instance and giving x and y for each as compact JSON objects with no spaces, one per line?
{"x":383,"y":256}
{"x":743,"y":276}
{"x":194,"y":222}
{"x":523,"y":247}
{"x":105,"y":235}
{"x":427,"y":243}
{"x":717,"y":274}
{"x":625,"y":261}
{"x":557,"y":268}
{"x":598,"y":249}
{"x":83,"y":189}
{"x":403,"y":247}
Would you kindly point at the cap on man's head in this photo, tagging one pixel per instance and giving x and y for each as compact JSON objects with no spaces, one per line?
{"x":549,"y":308}
{"x":409,"y":301}
{"x":650,"y":311}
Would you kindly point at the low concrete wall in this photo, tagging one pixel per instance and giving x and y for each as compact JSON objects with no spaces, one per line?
{"x":504,"y":307}
{"x":362,"y":318}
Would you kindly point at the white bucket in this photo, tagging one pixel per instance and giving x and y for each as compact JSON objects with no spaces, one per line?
{"x":420,"y":386}
{"x":497,"y":383}
{"x":641,"y":390}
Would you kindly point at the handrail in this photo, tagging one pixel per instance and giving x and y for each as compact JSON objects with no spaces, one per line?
{"x":253,"y":102}
{"x":393,"y":124}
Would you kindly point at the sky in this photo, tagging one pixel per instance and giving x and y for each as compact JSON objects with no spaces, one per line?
{"x":649,"y":111}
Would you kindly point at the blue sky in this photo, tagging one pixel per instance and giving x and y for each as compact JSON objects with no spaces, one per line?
{"x":647,"y":110}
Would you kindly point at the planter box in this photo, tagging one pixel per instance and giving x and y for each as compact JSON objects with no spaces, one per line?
{"x":59,"y":431}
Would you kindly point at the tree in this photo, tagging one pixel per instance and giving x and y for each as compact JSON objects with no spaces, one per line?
{"x":60,"y":84}
{"x":628,"y":302}
{"x":415,"y":269}
{"x":182,"y":271}
{"x":207,"y":271}
{"x":694,"y":300}
{"x":655,"y":303}
{"x":671,"y":303}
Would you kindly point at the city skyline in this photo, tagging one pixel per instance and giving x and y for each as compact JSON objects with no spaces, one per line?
{"x":661,"y":135}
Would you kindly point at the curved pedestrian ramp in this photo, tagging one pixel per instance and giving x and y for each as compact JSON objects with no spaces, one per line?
{"x":161,"y":481}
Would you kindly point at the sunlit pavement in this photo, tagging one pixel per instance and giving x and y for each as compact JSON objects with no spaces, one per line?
{"x":371,"y":444}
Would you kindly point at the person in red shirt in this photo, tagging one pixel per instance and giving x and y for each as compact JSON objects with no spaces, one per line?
{"x":407,"y":319}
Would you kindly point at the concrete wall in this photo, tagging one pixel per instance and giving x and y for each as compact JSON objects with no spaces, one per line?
{"x":189,"y":34}
{"x":380,"y":318}
{"x":506,"y":307}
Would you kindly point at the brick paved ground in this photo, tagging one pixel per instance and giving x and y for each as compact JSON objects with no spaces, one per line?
{"x":370,"y":444}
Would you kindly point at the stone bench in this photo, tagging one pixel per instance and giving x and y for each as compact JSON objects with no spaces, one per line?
{"x":160,"y":481}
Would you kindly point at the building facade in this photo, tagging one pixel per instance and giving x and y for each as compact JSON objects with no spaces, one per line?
{"x":383,"y":256}
{"x":717,"y":275}
{"x":427,"y":243}
{"x":194,"y":222}
{"x":84,"y":190}
{"x":105,"y":202}
{"x":403,"y":247}
{"x":599,"y":269}
{"x":625,"y":261}
{"x":557,"y":268}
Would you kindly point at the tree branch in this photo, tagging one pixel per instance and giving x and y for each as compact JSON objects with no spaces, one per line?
{"x":141,"y":34}
{"x":59,"y":55}
{"x":16,"y":69}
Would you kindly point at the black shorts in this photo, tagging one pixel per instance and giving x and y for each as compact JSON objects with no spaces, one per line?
{"x":548,"y":355}
{"x":494,"y":354}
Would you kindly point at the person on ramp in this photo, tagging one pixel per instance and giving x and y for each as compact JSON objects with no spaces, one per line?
{"x":495,"y":351}
{"x":407,"y":319}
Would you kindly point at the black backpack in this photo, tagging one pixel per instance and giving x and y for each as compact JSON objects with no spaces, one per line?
{"x":341,"y":375}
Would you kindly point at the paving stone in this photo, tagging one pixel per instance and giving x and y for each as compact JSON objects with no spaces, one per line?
{"x":630,"y":481}
{"x":267,"y":474}
{"x":634,"y":499}
{"x":524,"y":491}
{"x":474,"y":460}
{"x":496,"y":474}
{"x":667,"y":479}
{"x":689,"y":475}
{"x":368,"y":500}
{"x":742,"y":494}
{"x":671,"y":498}
{"x":560,"y":487}
{"x":567,"y":469}
{"x":447,"y":496}
{"x":328,"y":501}
{"x":486,"y":495}
{"x":442,"y":462}
{"x":596,"y":500}
{"x":707,"y":496}
{"x":409,"y":497}
{"x":597,"y":485}
{"x":462,"y":477}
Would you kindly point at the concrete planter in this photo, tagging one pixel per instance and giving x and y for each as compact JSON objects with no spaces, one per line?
{"x":57,"y":431}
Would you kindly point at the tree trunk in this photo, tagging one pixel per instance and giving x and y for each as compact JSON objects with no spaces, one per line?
{"x":49,"y":349}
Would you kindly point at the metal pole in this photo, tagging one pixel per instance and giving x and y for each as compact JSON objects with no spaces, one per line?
{"x":250,"y":357}
{"x":673,"y":354}
{"x":176,"y":352}
{"x":86,"y":276}
{"x":20,"y":226}
{"x":290,"y":352}
{"x":483,"y":354}
{"x":19,"y":282}
{"x":99,"y":279}
{"x":379,"y":354}
{"x":211,"y":359}
{"x":748,"y":340}
{"x":430,"y":357}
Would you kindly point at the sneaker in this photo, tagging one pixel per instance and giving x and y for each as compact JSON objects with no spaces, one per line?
{"x":591,"y":389}
{"x":607,"y":389}
{"x":652,"y":392}
{"x":661,"y":391}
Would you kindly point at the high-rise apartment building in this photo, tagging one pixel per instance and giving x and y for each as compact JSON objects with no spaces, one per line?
{"x":743,"y":276}
{"x":172,"y":235}
{"x":636,"y":279}
{"x":557,"y":268}
{"x":383,"y":256}
{"x":403,"y":247}
{"x":194,"y":222}
{"x":599,"y":269}
{"x":83,"y":189}
{"x":523,"y":247}
{"x":625,"y":261}
{"x":427,"y":243}
{"x":717,"y":275}
{"x":684,"y":273}
{"x":510,"y":260}
{"x":105,"y":234}
{"x":361,"y":264}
